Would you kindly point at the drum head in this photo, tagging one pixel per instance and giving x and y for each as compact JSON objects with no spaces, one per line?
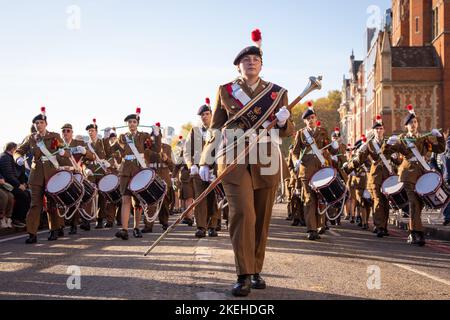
{"x":59,"y":181}
{"x":108,"y":183}
{"x":428,"y":183}
{"x":79,"y":177}
{"x":391,"y":185}
{"x":142,"y":179}
{"x":323,"y":177}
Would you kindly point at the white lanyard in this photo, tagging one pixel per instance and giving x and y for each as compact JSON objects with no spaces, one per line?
{"x":50,"y":157}
{"x":314,"y":147}
{"x":382,"y":157}
{"x":136,"y":152}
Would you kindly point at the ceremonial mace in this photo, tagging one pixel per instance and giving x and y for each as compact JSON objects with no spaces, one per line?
{"x":314,"y":84}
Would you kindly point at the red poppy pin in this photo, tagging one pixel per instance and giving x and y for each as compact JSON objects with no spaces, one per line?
{"x":274,"y":95}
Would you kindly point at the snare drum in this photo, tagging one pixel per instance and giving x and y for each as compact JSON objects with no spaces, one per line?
{"x":327,"y":183}
{"x":147,"y":187}
{"x":64,"y":189}
{"x":89,"y":188}
{"x":109,"y":186}
{"x":394,"y":190}
{"x":431,"y":189}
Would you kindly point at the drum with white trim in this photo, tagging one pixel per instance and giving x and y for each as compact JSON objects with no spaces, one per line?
{"x":431,"y":189}
{"x":64,"y":189}
{"x":89,"y":188}
{"x":148,"y":187}
{"x":109,"y":186}
{"x":329,"y":185}
{"x":395,"y":191}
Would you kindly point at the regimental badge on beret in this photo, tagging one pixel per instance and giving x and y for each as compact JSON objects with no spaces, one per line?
{"x":41,"y":116}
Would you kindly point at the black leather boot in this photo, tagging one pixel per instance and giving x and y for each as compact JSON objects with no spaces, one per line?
{"x":99,"y":224}
{"x":258,"y":282}
{"x":212,"y":233}
{"x":137,"y":233}
{"x":53,"y":235}
{"x":73,"y":230}
{"x":420,"y":239}
{"x":32,"y":238}
{"x":122,"y":234}
{"x":242,"y":287}
{"x":201,"y":233}
{"x":61,"y":232}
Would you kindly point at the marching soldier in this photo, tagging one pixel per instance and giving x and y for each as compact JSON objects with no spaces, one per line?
{"x":78,"y":151}
{"x":312,"y":137}
{"x":248,"y":102}
{"x":185,"y":181}
{"x":47,"y":151}
{"x":414,"y":147}
{"x":338,"y":160}
{"x":380,"y":170}
{"x":116,"y":159}
{"x":137,"y":149}
{"x":99,"y":168}
{"x":359,"y":185}
{"x":206,"y":213}
{"x":163,"y":166}
{"x":296,"y":202}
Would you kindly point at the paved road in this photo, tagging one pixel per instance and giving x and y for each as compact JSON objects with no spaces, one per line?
{"x":346,"y":264}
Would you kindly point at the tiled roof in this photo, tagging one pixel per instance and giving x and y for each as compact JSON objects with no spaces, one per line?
{"x":414,"y":57}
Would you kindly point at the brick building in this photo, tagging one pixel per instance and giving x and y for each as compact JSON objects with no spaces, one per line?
{"x":411,"y":65}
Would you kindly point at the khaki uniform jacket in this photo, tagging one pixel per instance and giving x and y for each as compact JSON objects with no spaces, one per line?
{"x":378,"y":171}
{"x":293,"y":174}
{"x":146,"y":144}
{"x":41,"y":171}
{"x":359,"y":181}
{"x":77,"y":143}
{"x":342,"y":158}
{"x":310,"y":163}
{"x":168,"y":165}
{"x":101,"y":149}
{"x":195,"y":140}
{"x":408,"y":171}
{"x":225,"y":109}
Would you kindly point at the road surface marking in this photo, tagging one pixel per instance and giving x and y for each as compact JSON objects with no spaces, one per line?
{"x":446,"y":282}
{"x":20,"y":237}
{"x":334,"y":233}
{"x":56,"y":296}
{"x":211,"y":296}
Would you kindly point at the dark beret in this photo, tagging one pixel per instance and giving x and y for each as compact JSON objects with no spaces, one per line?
{"x":40,"y":117}
{"x":247,"y":51}
{"x":203,"y":109}
{"x":132,"y":117}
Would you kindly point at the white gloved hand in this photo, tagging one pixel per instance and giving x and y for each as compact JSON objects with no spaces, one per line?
{"x":194,"y":170}
{"x":345,"y":165}
{"x":106,"y":164}
{"x":334,"y":158}
{"x":204,"y":173}
{"x":283,"y":116}
{"x":156,"y":131}
{"x":81,"y":150}
{"x":436,"y":133}
{"x":62,"y":152}
{"x":20,"y":161}
{"x":88,"y":172}
{"x":298,"y":163}
{"x":392,"y":141}
{"x":335,"y":145}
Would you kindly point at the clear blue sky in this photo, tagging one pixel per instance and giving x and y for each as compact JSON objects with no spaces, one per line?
{"x":164,"y":56}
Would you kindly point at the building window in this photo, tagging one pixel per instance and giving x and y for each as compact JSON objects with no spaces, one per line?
{"x":435,"y":22}
{"x":417,"y":25}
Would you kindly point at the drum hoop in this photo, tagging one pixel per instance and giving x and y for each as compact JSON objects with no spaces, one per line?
{"x":147,"y":185}
{"x":66,"y":188}
{"x":431,"y":192}
{"x":114,"y":188}
{"x":326,"y":185}
{"x":393,"y":194}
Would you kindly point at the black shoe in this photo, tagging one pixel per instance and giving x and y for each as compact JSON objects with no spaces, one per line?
{"x":416,"y":239}
{"x":99,"y":224}
{"x":200,"y":233}
{"x":365,"y":227}
{"x":352,"y":221}
{"x":73,"y":230}
{"x":347,"y":218}
{"x":333,"y":222}
{"x":165,"y":227}
{"x":53,"y":235}
{"x":420,"y":239}
{"x":190,"y":222}
{"x":32,"y":238}
{"x":219,"y":228}
{"x":109,"y":225}
{"x":61,"y":232}
{"x":212,"y":233}
{"x":321,"y":231}
{"x":137,"y":233}
{"x":295,"y":223}
{"x":242,"y":287}
{"x":358,"y":220}
{"x":258,"y":282}
{"x":360,"y":224}
{"x":147,"y":230}
{"x":386,"y":233}
{"x":122,"y":234}
{"x":86,"y":226}
{"x":446,"y":223}
{"x":312,"y":236}
{"x":380,"y":232}
{"x":375,"y":230}
{"x":119,"y":223}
